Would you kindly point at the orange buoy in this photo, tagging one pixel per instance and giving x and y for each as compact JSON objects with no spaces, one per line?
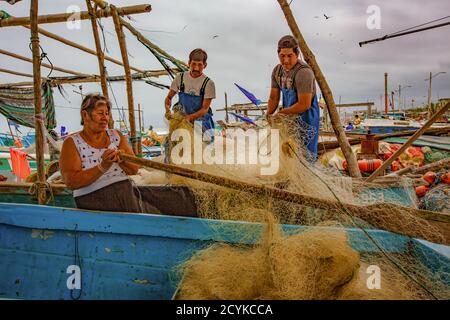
{"x":369,"y":165}
{"x":18,"y":143}
{"x":366,"y":165}
{"x":421,"y":190}
{"x":387,"y":155}
{"x":445,"y":178}
{"x":429,"y":177}
{"x":395,"y":166}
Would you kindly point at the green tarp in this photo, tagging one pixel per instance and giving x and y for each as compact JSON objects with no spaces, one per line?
{"x":17,"y":104}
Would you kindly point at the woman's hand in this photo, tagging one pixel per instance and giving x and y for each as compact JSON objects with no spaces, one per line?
{"x":108,"y":158}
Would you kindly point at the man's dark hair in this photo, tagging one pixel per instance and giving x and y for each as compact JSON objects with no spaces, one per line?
{"x":288,"y":41}
{"x":198,"y":55}
{"x":296,"y":50}
{"x":90,"y":101}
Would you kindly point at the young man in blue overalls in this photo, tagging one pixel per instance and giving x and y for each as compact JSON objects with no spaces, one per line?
{"x":296,"y":81}
{"x":195,"y":92}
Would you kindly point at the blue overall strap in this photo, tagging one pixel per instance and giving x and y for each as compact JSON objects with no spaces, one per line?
{"x":202,"y":92}
{"x":310,"y":119}
{"x":202,"y":89}
{"x":279,"y":75}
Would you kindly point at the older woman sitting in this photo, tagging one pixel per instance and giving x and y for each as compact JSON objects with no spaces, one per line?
{"x":91,"y":165}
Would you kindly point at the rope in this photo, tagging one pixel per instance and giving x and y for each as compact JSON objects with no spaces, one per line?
{"x":77,"y":262}
{"x":135,"y":187}
{"x":43,"y":55}
{"x":37,"y":187}
{"x":105,"y":48}
{"x":40,"y":117}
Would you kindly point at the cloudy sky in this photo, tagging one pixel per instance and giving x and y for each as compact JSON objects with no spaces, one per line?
{"x":240,"y":38}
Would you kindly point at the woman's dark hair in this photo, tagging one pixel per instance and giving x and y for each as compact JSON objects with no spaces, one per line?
{"x":90,"y":101}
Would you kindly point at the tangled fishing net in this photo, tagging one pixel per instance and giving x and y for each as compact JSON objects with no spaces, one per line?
{"x":333,"y":240}
{"x":437,"y":199}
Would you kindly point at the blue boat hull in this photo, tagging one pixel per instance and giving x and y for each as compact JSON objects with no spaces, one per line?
{"x":130,"y":256}
{"x":383,"y":129}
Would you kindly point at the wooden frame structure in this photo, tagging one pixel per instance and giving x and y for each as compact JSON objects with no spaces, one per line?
{"x":97,"y":9}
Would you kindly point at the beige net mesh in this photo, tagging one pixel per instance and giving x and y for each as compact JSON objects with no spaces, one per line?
{"x":331,"y":255}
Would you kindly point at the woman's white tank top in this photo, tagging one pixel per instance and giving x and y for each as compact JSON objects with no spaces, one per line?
{"x":91,"y":157}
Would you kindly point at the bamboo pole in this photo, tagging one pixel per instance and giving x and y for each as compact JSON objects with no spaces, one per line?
{"x":98,"y":48}
{"x":226,"y":108}
{"x":444,"y":163}
{"x":100,"y":3}
{"x":37,"y":100}
{"x":326,"y":91}
{"x":80,"y":47}
{"x":27,"y":185}
{"x":10,"y":130}
{"x":13,"y":55}
{"x":363,"y":212}
{"x":123,"y":51}
{"x":16,"y":73}
{"x":104,"y":5}
{"x":84,"y":15}
{"x":88,"y":79}
{"x":100,"y":57}
{"x":85,"y":49}
{"x":409,"y":142}
{"x":142,"y":38}
{"x":386,"y":93}
{"x":140,"y":130}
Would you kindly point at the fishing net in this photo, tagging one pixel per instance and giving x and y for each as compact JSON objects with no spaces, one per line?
{"x":308,"y":232}
{"x":437,"y":199}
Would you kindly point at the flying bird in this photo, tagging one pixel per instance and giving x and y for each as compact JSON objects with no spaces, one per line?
{"x":215,"y":36}
{"x":326,"y":17}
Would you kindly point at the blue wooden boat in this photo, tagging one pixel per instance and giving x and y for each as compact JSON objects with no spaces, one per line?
{"x":7,"y":140}
{"x":132,"y":256}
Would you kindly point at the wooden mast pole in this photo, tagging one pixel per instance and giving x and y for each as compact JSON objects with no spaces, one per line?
{"x":326,"y":91}
{"x":123,"y":51}
{"x":386,"y":98}
{"x":39,"y":117}
{"x":142,"y":38}
{"x":100,"y":57}
{"x":13,"y":55}
{"x":80,"y":47}
{"x":226,"y":108}
{"x":63,"y":17}
{"x":16,"y":73}
{"x":86,"y":79}
{"x":104,"y":5}
{"x":10,"y":130}
{"x":140,"y":130}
